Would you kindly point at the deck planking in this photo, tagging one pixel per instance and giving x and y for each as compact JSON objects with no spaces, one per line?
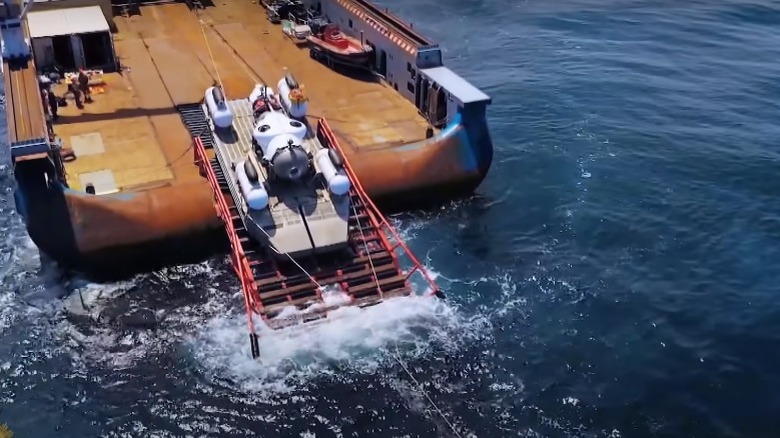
{"x":24,"y":107}
{"x":182,"y":73}
{"x":112,"y":134}
{"x":172,"y":55}
{"x":367,"y":113}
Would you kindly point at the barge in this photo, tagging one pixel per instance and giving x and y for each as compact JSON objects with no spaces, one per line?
{"x":132,"y":198}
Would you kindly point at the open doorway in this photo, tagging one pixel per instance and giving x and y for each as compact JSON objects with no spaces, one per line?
{"x":63,"y":52}
{"x":441,"y":108}
{"x":422,"y":91}
{"x":437,"y":105}
{"x":96,"y":49}
{"x":382,"y":63}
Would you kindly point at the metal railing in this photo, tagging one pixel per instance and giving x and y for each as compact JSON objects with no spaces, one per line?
{"x":238,"y":258}
{"x":376,"y":217}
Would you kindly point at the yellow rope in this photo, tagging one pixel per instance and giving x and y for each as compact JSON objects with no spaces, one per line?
{"x":368,"y":253}
{"x":211,"y":54}
{"x":250,"y":74}
{"x":311,"y":277}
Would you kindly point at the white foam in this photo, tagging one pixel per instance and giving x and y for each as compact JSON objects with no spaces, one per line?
{"x":358,"y":339}
{"x":118,"y":348}
{"x":89,"y":299}
{"x":6,"y":310}
{"x":332,"y":296}
{"x":18,"y":260}
{"x":217,"y":334}
{"x":570,"y":401}
{"x":350,"y":339}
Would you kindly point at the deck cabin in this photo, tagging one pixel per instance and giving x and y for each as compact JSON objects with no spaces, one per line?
{"x":407,"y":61}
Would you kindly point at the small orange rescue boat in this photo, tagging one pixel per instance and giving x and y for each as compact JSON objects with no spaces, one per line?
{"x":330,"y":41}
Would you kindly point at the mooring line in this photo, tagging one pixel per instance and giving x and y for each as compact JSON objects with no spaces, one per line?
{"x":397,"y":357}
{"x":211,"y":54}
{"x":311,"y":277}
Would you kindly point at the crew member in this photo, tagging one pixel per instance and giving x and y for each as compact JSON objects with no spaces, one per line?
{"x":73,"y":88}
{"x":84,"y":86}
{"x":52,"y":104}
{"x":45,"y":100}
{"x":49,"y":126}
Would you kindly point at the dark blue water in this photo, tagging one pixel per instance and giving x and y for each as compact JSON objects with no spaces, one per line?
{"x":616,"y":276}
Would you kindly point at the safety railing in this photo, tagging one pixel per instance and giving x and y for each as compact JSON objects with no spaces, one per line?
{"x":398,"y":25}
{"x":376,"y":217}
{"x":238,"y":258}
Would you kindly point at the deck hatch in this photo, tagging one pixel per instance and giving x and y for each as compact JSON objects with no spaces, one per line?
{"x":87,"y":144}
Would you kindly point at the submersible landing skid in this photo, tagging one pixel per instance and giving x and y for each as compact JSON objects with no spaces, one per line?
{"x":284,"y":287}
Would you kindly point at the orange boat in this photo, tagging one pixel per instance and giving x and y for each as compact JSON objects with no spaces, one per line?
{"x":330,"y":41}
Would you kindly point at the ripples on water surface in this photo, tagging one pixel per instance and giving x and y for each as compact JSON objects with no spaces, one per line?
{"x":617,"y":275}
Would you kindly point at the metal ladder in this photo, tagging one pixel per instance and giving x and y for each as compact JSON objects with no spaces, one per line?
{"x":195,"y":120}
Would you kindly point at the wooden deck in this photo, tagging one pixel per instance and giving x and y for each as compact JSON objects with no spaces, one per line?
{"x":133,"y":134}
{"x":24,"y":107}
{"x":115,"y":140}
{"x":367,"y":114}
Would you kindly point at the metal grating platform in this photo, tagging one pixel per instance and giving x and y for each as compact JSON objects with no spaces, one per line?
{"x":29,"y":147}
{"x":234,"y":145}
{"x":196,"y":123}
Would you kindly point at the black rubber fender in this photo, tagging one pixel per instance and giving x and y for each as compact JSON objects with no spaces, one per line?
{"x":291,"y":82}
{"x":219,"y":97}
{"x":336,"y":158}
{"x":251,"y":172}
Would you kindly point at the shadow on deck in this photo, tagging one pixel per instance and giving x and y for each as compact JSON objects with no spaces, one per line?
{"x":126,"y":113}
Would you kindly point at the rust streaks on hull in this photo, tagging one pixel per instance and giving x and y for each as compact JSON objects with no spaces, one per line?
{"x":149,"y":215}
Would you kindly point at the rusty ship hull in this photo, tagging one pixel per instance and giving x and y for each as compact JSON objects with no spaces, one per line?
{"x":424,"y":142}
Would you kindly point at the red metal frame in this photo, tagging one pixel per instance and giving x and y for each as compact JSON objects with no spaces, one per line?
{"x":378,"y":220}
{"x":237,"y":256}
{"x":241,"y":263}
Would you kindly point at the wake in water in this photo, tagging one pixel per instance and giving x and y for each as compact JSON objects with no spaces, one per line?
{"x":349,"y":339}
{"x":185,"y":326}
{"x":119,"y":324}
